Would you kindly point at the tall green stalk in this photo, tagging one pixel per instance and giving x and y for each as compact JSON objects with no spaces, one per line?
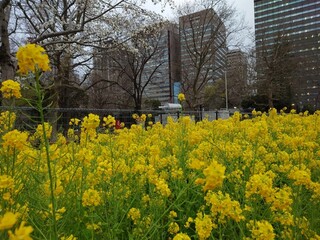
{"x":45,"y":139}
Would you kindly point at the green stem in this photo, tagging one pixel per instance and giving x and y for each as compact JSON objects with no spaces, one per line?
{"x":166,"y":211}
{"x":46,"y":144}
{"x":13,"y":161}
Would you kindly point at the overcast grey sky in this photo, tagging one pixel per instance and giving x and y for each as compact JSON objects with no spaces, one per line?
{"x":244,"y":7}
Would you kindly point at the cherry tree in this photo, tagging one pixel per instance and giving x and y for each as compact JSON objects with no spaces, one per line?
{"x":7,"y":65}
{"x":70,"y":30}
{"x":129,"y":67}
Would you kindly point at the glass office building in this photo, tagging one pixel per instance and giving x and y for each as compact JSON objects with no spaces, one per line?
{"x":299,"y":22}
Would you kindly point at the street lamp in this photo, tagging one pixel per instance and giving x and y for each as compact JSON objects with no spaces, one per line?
{"x":226,"y":88}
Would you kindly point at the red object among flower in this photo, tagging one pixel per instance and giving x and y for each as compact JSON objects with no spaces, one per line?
{"x":118,"y":124}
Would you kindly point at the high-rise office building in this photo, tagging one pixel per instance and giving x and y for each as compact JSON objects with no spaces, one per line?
{"x":297,"y":21}
{"x":104,"y":93}
{"x":164,"y":67}
{"x":203,"y":53}
{"x":237,"y":77}
{"x":152,"y":73}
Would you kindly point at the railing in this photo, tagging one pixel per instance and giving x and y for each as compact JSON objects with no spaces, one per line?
{"x":28,"y":118}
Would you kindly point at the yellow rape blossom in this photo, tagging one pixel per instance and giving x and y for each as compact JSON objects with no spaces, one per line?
{"x":315,"y":187}
{"x":143,"y":117}
{"x":145,"y":199}
{"x":134,"y":215}
{"x":281,"y":199}
{"x":261,"y":230}
{"x":31,"y":57}
{"x":7,"y":120}
{"x":181,"y":97}
{"x":39,"y":130}
{"x":90,"y":198}
{"x":187,"y":224}
{"x":85,"y":156}
{"x":214,"y":176}
{"x":135,"y":116}
{"x":93,"y":226}
{"x":163,"y":187}
{"x":89,"y":126}
{"x":6,"y":182}
{"x":109,"y":121}
{"x":8,"y":220}
{"x":204,"y":226}
{"x":15,"y":140}
{"x":284,"y":218}
{"x":74,"y":122}
{"x":71,"y":237}
{"x":181,"y":236}
{"x":173,"y":228}
{"x":58,"y":187}
{"x":21,"y":233}
{"x":260,"y":184}
{"x":10,"y":89}
{"x":91,"y":122}
{"x":173,"y":214}
{"x":6,"y":196}
{"x":139,"y":119}
{"x":300,"y":176}
{"x":223,"y":207}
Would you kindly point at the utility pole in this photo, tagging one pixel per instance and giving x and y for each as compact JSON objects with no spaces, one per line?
{"x":226,"y":89}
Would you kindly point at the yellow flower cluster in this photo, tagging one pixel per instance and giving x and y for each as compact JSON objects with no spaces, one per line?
{"x":223,"y":208}
{"x":39,"y":131}
{"x":7,"y":120}
{"x":181,"y":236}
{"x":204,"y":225}
{"x":261,"y":230}
{"x":15,"y":140}
{"x":10,"y":89}
{"x":6,"y":182}
{"x":91,"y":122}
{"x":91,"y":197}
{"x":109,"y":121}
{"x":214,"y":174}
{"x":141,"y":118}
{"x":260,"y":184}
{"x":71,"y":237}
{"x":32,"y":57}
{"x":238,"y":178}
{"x":89,"y":125}
{"x":7,"y":222}
{"x":134,"y":215}
{"x":181,"y":97}
{"x":173,"y":228}
{"x":21,"y":233}
{"x":74,"y":122}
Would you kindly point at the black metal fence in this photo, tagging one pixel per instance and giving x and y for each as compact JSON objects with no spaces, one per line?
{"x":28,"y":118}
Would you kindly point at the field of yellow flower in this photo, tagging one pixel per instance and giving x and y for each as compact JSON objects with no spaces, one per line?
{"x":240,"y":178}
{"x":227,"y":179}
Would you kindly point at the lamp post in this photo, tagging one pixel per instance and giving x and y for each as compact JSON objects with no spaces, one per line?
{"x":226,"y":88}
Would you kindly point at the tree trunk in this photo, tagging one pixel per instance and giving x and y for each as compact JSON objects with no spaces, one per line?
{"x":270,"y":95}
{"x":7,"y":65}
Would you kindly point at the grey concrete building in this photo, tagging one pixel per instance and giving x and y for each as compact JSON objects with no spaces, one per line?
{"x":237,"y":77}
{"x":299,"y":22}
{"x":161,"y":87}
{"x":203,"y":53}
